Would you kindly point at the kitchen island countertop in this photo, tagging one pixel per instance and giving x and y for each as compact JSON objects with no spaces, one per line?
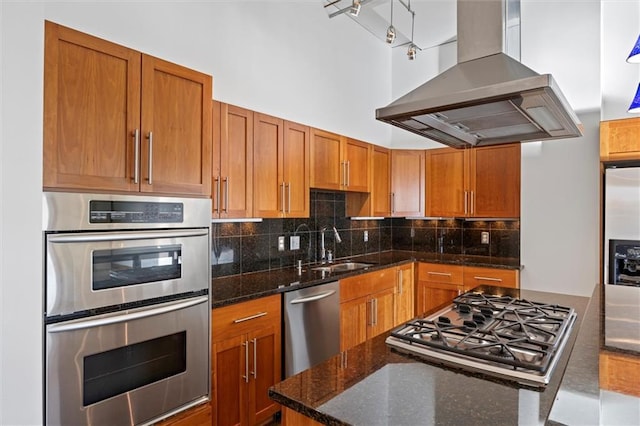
{"x":239,"y":288}
{"x":373,"y":384}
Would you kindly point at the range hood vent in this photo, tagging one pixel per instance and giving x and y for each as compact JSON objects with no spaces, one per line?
{"x":489,"y":97}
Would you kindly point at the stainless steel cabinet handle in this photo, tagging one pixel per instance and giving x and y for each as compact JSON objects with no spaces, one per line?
{"x":375,"y":311}
{"x":254,"y":373}
{"x":246,"y":361}
{"x":473,"y":202}
{"x":313,"y":298}
{"x":258,"y":315}
{"x":216,"y":201}
{"x":393,"y":202}
{"x":122,"y":236}
{"x":150,"y":137}
{"x":118,"y":317}
{"x":445,"y":274}
{"x":348,"y":174}
{"x":226,"y":194}
{"x":488,"y":279}
{"x":289,"y":197}
{"x":282,"y":199}
{"x":136,"y":156}
{"x":465,"y":202}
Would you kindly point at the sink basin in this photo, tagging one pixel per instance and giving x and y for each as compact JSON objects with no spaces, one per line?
{"x":342,"y":267}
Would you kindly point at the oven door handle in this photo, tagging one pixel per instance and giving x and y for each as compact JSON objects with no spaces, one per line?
{"x":122,"y":236}
{"x":117,"y":318}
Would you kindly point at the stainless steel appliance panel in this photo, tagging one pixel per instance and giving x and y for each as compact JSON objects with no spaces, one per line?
{"x":622,"y":317}
{"x":312,"y":326}
{"x":128,"y":367}
{"x":621,"y":208}
{"x":90,"y":270}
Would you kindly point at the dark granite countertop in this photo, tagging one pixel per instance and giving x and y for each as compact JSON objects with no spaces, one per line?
{"x":372,"y":384}
{"x":239,"y":288}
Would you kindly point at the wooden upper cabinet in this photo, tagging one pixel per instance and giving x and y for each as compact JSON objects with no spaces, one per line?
{"x":356,"y":170}
{"x":447,"y":181}
{"x":407,"y":182}
{"x":339,"y":163}
{"x":232,"y":177}
{"x":281,"y":168}
{"x":118,"y":120}
{"x":495,"y":181}
{"x":380,"y":182}
{"x":476,"y":182}
{"x":326,"y":160}
{"x":620,"y":139}
{"x":176,"y":128}
{"x":296,"y":169}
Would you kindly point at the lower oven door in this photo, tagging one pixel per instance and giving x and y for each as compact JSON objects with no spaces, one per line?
{"x":128,"y":367}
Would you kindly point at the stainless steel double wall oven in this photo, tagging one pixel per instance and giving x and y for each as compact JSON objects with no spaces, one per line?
{"x":127,"y":309}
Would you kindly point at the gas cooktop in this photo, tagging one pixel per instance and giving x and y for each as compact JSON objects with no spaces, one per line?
{"x":496,"y":334}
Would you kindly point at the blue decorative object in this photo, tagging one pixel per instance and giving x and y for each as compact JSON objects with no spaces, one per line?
{"x":635,"y":105}
{"x":634,"y":56}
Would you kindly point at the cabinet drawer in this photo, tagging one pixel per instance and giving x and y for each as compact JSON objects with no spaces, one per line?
{"x":475,"y":276}
{"x":245,"y":317}
{"x":365,"y":284}
{"x":441,"y":273}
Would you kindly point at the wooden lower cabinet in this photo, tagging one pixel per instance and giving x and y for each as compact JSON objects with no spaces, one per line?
{"x":620,"y":373}
{"x":293,"y":418}
{"x":405,"y":292}
{"x":196,"y":416}
{"x":246,"y":361}
{"x":367,"y":306}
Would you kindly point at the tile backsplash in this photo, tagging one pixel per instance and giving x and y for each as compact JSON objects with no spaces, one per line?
{"x":253,"y":246}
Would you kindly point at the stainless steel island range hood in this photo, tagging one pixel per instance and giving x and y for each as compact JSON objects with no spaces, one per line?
{"x":488,"y":97}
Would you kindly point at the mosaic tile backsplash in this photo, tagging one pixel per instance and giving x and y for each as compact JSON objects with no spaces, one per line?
{"x":253,"y":246}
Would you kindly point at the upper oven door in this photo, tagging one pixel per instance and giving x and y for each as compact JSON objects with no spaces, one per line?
{"x":92,"y":270}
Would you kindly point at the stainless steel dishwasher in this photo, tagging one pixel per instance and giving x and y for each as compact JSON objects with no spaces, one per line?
{"x":311,"y":326}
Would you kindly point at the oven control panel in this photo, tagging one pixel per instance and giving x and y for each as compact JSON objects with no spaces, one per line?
{"x":102,"y":211}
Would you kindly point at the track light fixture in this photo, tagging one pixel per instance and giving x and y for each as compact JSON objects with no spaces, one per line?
{"x":391,"y":32}
{"x":355,"y":8}
{"x":411,"y":52}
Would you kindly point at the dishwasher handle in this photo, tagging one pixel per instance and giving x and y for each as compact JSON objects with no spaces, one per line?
{"x":313,"y":298}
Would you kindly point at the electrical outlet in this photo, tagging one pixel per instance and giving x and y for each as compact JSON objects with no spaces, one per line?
{"x":294,"y":243}
{"x":366,"y":236}
{"x":484,"y":238}
{"x":281,"y":243}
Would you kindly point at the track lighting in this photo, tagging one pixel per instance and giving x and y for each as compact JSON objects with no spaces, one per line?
{"x":411,"y":52}
{"x":391,"y":32}
{"x":355,"y":8}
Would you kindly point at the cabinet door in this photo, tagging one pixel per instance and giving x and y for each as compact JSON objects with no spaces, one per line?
{"x":381,"y":315}
{"x":264,"y":371}
{"x":495,"y":181}
{"x":236,"y":162}
{"x":296,"y":171}
{"x":381,"y":182}
{"x":176,"y":129}
{"x":404,"y":294}
{"x":326,"y":160}
{"x":407,"y":182}
{"x":196,"y":416}
{"x":433,"y":295}
{"x":91,"y":112}
{"x":619,"y":139}
{"x":356,"y":165}
{"x":353,"y":322}
{"x":446,"y":193}
{"x":230,"y":375}
{"x":268,"y":183}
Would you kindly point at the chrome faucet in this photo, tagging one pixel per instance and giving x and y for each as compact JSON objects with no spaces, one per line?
{"x":323,"y":251}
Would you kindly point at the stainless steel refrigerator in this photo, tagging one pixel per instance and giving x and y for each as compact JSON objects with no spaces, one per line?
{"x":622,"y":257}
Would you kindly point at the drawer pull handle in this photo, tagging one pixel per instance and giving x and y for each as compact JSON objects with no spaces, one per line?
{"x":488,"y":279}
{"x":261,"y":314}
{"x":445,"y":274}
